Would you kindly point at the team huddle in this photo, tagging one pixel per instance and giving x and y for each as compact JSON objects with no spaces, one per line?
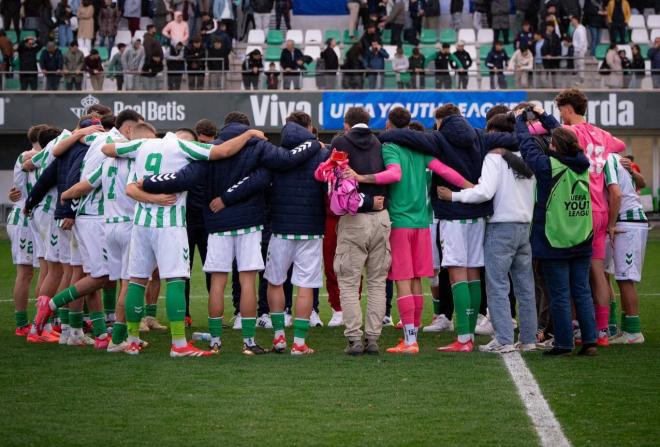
{"x":109,"y":209}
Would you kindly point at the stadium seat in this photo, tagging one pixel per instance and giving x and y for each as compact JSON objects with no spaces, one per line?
{"x":636,"y":22}
{"x":332,"y":34}
{"x":12,"y":84}
{"x":483,"y":51}
{"x":605,"y":36}
{"x":123,"y":36}
{"x":627,"y":49}
{"x":275,"y":37}
{"x":313,"y":51}
{"x":429,"y":53}
{"x":273,"y":54}
{"x":391,"y":50}
{"x":472,"y":51}
{"x":386,"y":37}
{"x":601,"y":50}
{"x":103,"y":53}
{"x":313,"y":37}
{"x":144,"y":21}
{"x":654,"y":33}
{"x":653,"y":21}
{"x":485,"y":36}
{"x":250,"y":48}
{"x":256,"y":37}
{"x":296,"y":35}
{"x":348,"y":40}
{"x":447,"y":35}
{"x":139,"y":34}
{"x":639,"y":36}
{"x":428,"y":37}
{"x":11,"y":34}
{"x":467,"y":35}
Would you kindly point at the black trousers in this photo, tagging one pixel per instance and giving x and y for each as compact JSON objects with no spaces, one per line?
{"x":197,"y":237}
{"x":29,"y":81}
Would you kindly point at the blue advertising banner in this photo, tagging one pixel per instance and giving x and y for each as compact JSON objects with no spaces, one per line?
{"x":319,"y":7}
{"x":422,"y":104}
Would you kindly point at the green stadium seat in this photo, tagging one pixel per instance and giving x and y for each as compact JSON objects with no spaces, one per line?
{"x":429,"y":53}
{"x":311,"y":70}
{"x":348,"y":40}
{"x":12,"y":84}
{"x":11,"y":34}
{"x":509,"y":48}
{"x":103,"y":53}
{"x":448,"y":35}
{"x":332,"y":34}
{"x":484,"y":50}
{"x":429,"y":36}
{"x":275,"y":37}
{"x":273,"y":54}
{"x":601,"y":51}
{"x":387,"y":36}
{"x":407,"y":49}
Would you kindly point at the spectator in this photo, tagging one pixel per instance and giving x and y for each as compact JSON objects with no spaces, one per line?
{"x":496,"y":61}
{"x":63,"y":14}
{"x":176,"y":66}
{"x":152,"y":45}
{"x":566,"y":62}
{"x":195,"y":55}
{"x":580,"y":46}
{"x":615,"y":77}
{"x":637,"y":66}
{"x":400,"y":66}
{"x":94,"y":67}
{"x":375,"y":59}
{"x":456,"y":11}
{"x":500,"y":11}
{"x":353,"y":7}
{"x":595,"y":18}
{"x":187,"y":10}
{"x":461,"y":63}
{"x":252,"y":67}
{"x":481,"y":11}
{"x":415,"y":11}
{"x":525,"y":12}
{"x":150,"y":70}
{"x":46,"y":23}
{"x":539,"y":74}
{"x":51,"y":66}
{"x":177,"y":30}
{"x":330,"y":64}
{"x":132,"y":12}
{"x":522,"y":64}
{"x":442,"y":61}
{"x":11,"y":13}
{"x":626,"y":66}
{"x":568,"y":9}
{"x":86,"y":24}
{"x":207,"y":29}
{"x":431,"y":9}
{"x":654,"y":56}
{"x":74,"y":62}
{"x":417,"y":62}
{"x":132,"y":60}
{"x":6,"y":51}
{"x":161,"y":13}
{"x":525,"y":36}
{"x":353,"y":77}
{"x":618,"y":14}
{"x":32,"y":13}
{"x":108,"y":21}
{"x":291,"y":62}
{"x":114,"y":68}
{"x":283,"y":10}
{"x":272,"y":77}
{"x":218,"y":64}
{"x":27,"y":63}
{"x":550,"y":52}
{"x":370,"y":34}
{"x":223,"y":12}
{"x":396,"y":20}
{"x":223,"y":34}
{"x":262,"y":10}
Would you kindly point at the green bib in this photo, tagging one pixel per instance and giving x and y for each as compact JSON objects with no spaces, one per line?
{"x":568,"y":209}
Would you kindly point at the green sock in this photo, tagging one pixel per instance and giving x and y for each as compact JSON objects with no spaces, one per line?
{"x":75,"y":320}
{"x":151,"y":310}
{"x":461,"y":294}
{"x":300,"y":328}
{"x":613,"y":306}
{"x":66,"y":296}
{"x":475,"y":303}
{"x":277,"y":318}
{"x":248,"y":327}
{"x":215,"y":326}
{"x":623,"y":321}
{"x":633,"y":324}
{"x":63,"y":315}
{"x":134,"y":307}
{"x":98,"y":323}
{"x":21,"y":318}
{"x":109,"y":300}
{"x":175,"y":301}
{"x":436,"y":306}
{"x":118,"y":332}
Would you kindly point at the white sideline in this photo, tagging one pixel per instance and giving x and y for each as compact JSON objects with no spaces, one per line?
{"x":544,"y":421}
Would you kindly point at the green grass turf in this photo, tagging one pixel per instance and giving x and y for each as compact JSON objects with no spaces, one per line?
{"x":76,"y":396}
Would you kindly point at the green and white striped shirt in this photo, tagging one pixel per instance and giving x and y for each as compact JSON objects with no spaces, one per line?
{"x":240,"y":231}
{"x":299,"y":237}
{"x":631,"y":209}
{"x":41,"y":161}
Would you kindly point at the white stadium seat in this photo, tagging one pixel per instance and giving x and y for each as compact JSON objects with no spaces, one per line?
{"x":653,"y":21}
{"x":391,"y":50}
{"x":313,"y":51}
{"x":472,"y":51}
{"x":654,"y":33}
{"x":251,"y":48}
{"x":139,"y":34}
{"x":640,"y":36}
{"x":296,"y":35}
{"x":636,"y":22}
{"x":467,"y":35}
{"x":485,"y":36}
{"x":313,"y":37}
{"x":123,"y":36}
{"x":256,"y":37}
{"x":627,"y":49}
{"x":605,"y":36}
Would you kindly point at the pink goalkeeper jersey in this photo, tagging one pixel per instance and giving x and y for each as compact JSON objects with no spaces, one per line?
{"x":597,"y":144}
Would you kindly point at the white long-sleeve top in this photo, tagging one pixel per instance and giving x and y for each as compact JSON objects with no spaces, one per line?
{"x":580,"y":42}
{"x":513,"y":198}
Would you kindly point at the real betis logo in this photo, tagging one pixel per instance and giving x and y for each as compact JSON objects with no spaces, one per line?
{"x":186,"y":255}
{"x":629,"y":258}
{"x":53,"y":239}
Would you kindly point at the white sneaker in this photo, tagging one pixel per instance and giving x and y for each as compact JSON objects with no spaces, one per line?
{"x":626,"y":338}
{"x":264,"y":322}
{"x":288,"y":321}
{"x":64,"y":336}
{"x":237,"y":322}
{"x":337,"y":319}
{"x":121,"y":347}
{"x":144,"y":327}
{"x":515,"y":323}
{"x":439,"y":323}
{"x":80,"y":340}
{"x":315,"y":320}
{"x":387,"y":321}
{"x":496,"y":347}
{"x":546,"y":344}
{"x":524,"y":347}
{"x":484,"y":327}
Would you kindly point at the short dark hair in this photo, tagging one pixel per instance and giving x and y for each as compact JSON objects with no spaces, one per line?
{"x":399,"y":117}
{"x":495,"y":110}
{"x":108,"y":121}
{"x":47,"y":135}
{"x":300,"y":118}
{"x":499,"y":123}
{"x":98,"y":109}
{"x":94,"y":52}
{"x":187,"y":130}
{"x":416,"y":125}
{"x":522,"y":105}
{"x":206,"y":127}
{"x":565,"y":142}
{"x":33,"y":132}
{"x":237,"y":117}
{"x":446,"y":110}
{"x":574,"y":98}
{"x":127,"y":115}
{"x":142,"y":126}
{"x":150,"y":27}
{"x":629,"y":157}
{"x":445,"y":45}
{"x":356,"y":115}
{"x":121,"y":45}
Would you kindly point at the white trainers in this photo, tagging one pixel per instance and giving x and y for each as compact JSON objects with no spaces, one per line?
{"x":288,"y":321}
{"x":79,"y":340}
{"x":121,"y":347}
{"x":524,"y":347}
{"x":496,"y":347}
{"x":144,"y":327}
{"x":237,"y":322}
{"x":315,"y":320}
{"x":64,"y":336}
{"x":337,"y":319}
{"x":439,"y":323}
{"x":264,"y":322}
{"x":387,"y":321}
{"x":626,"y":338}
{"x":484,"y":327}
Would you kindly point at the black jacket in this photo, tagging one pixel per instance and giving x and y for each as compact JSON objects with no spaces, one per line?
{"x":218,"y":58}
{"x":195,"y":58}
{"x":262,"y":6}
{"x":27,"y":56}
{"x":464,"y":58}
{"x":51,"y":61}
{"x":288,"y":60}
{"x":330,"y":59}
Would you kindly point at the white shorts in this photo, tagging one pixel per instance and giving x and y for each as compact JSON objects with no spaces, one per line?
{"x":75,"y":256}
{"x":435,"y":250}
{"x":462,"y":243}
{"x":305,"y":255}
{"x":165,"y":248}
{"x":245,"y":248}
{"x":40,"y":225}
{"x":629,"y":250}
{"x":58,"y":244}
{"x":90,"y":236}
{"x":22,"y":246}
{"x":609,"y":256}
{"x":118,"y":243}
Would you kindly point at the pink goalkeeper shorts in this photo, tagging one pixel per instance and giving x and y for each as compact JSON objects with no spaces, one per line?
{"x":411,"y":253}
{"x":600,"y":220}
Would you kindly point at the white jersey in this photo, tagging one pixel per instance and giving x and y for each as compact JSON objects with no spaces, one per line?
{"x":156,"y":156}
{"x":631,"y":207}
{"x":113,"y":177}
{"x":41,"y":161}
{"x":20,"y":182}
